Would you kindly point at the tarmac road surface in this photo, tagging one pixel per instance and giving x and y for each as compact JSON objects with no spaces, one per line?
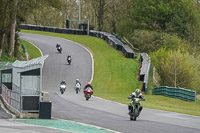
{"x":96,"y":111}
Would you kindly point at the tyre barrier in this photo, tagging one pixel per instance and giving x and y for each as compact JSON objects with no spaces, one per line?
{"x":111,"y":39}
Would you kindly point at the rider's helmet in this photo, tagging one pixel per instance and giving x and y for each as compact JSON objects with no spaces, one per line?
{"x":89,"y":83}
{"x":137,"y":92}
{"x":63,"y":81}
{"x":77,"y":80}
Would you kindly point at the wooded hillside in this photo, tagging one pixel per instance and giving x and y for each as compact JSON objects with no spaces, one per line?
{"x":168,"y":30}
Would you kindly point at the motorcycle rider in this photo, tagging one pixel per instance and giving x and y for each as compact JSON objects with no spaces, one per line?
{"x":136,"y":94}
{"x":63,"y":82}
{"x":86,"y":86}
{"x":57,"y":45}
{"x":78,"y":82}
{"x":69,"y":58}
{"x":59,"y":48}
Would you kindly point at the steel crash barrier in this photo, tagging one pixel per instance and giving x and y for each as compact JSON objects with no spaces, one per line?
{"x":180,"y":93}
{"x":144,"y":70}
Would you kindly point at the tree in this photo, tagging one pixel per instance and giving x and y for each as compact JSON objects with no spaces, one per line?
{"x":4,"y":24}
{"x":177,"y":17}
{"x":13,"y":27}
{"x":115,"y":13}
{"x":176,"y":69}
{"x":99,"y":10}
{"x":13,"y":13}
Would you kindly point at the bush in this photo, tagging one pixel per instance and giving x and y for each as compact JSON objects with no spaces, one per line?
{"x":176,"y":69}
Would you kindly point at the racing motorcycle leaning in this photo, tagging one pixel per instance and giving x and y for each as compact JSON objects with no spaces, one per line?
{"x":88,"y":92}
{"x":135,"y":108}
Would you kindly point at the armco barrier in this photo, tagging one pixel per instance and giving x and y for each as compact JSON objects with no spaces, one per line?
{"x":112,"y":40}
{"x":180,"y":93}
{"x":144,"y":70}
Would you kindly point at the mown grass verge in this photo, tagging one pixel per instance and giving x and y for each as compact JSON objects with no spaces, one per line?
{"x":33,"y":52}
{"x":115,"y":77}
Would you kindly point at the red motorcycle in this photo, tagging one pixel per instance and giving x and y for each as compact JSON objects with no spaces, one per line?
{"x":88,"y":93}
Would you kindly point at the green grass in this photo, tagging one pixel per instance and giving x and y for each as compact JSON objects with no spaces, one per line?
{"x":115,"y":77}
{"x":171,"y":104}
{"x":33,"y":52}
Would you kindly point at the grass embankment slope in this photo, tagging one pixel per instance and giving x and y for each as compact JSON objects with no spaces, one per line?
{"x":115,"y":77}
{"x":33,"y":52}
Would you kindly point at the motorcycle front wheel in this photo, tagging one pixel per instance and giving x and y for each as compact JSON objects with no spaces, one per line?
{"x":131,"y":117}
{"x":87,"y":97}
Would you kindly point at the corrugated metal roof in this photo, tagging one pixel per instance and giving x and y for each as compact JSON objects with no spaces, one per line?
{"x":22,"y":64}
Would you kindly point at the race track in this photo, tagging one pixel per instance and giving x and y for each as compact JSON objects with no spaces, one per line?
{"x":96,"y":111}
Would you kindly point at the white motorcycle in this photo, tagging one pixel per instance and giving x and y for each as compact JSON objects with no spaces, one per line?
{"x":77,"y":87}
{"x":62,"y":88}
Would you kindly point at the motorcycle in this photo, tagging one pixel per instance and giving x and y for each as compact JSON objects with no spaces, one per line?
{"x":77,"y":87}
{"x":134,"y":108}
{"x":88,"y":93}
{"x":69,"y":60}
{"x":59,"y":48}
{"x":62,"y":88}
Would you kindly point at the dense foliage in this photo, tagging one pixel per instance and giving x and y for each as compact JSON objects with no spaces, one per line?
{"x":167,"y":29}
{"x":12,"y":14}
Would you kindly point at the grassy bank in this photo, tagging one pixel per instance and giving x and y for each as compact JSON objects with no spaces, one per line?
{"x":115,"y":77}
{"x":33,"y":52}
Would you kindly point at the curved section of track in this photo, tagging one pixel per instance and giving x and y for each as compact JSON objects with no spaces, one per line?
{"x":96,"y":111}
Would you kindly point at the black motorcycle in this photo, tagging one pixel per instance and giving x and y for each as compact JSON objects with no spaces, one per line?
{"x":59,"y":48}
{"x":134,"y":108}
{"x":69,"y":59}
